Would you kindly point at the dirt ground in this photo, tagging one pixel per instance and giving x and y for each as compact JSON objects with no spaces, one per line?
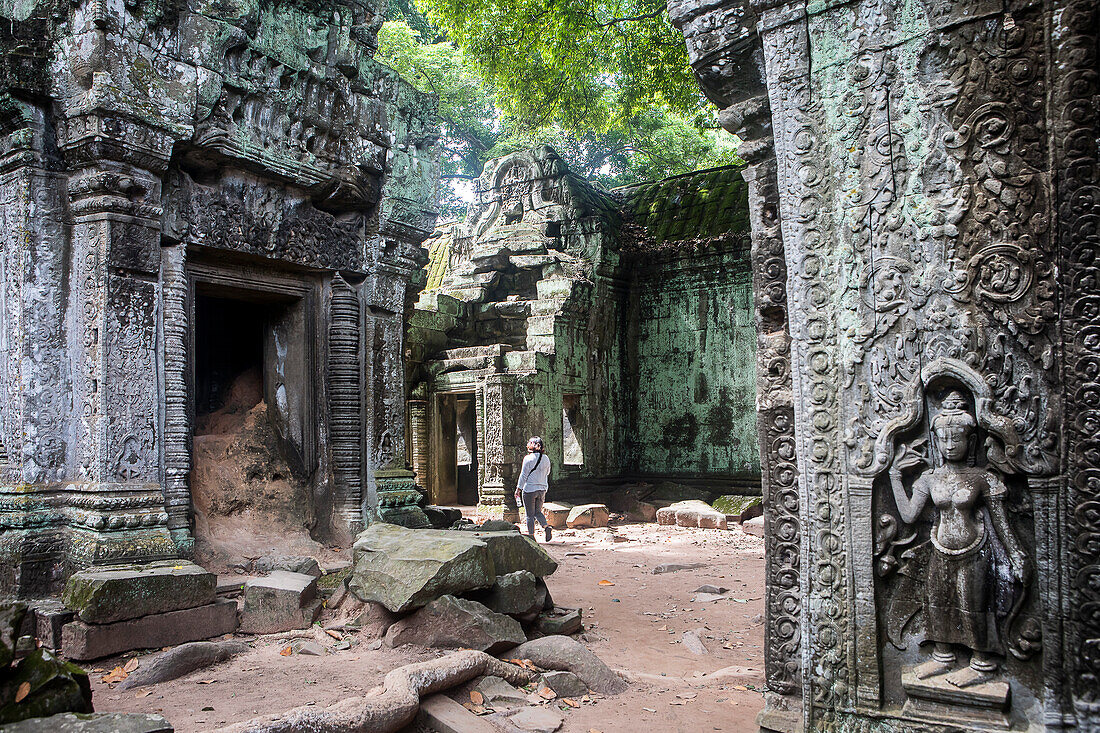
{"x":634,"y":624}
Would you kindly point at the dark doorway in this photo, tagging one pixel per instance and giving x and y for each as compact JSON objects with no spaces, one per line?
{"x":229,"y":350}
{"x":456,"y":450}
{"x":466,"y":449}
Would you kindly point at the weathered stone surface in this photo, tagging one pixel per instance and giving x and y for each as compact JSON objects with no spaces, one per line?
{"x":537,"y":719}
{"x":116,"y":594}
{"x":515,"y":594}
{"x":452,"y":623}
{"x":92,"y":641}
{"x":675,"y":567}
{"x":564,"y":684}
{"x":441,"y":714}
{"x":373,"y":620}
{"x":55,"y":686}
{"x":499,"y":694}
{"x":11,"y":621}
{"x":693,"y":643}
{"x":50,"y":617}
{"x":588,"y":515}
{"x":182,"y":660}
{"x":754,"y":526}
{"x":692,"y":513}
{"x":93,"y":723}
{"x":740,"y":507}
{"x":568,"y":655}
{"x":563,"y":621}
{"x":288,"y":563}
{"x":556,"y":513}
{"x":405,"y":569}
{"x":640,"y":511}
{"x":277,"y":602}
{"x":514,"y":552}
{"x":442,"y":517}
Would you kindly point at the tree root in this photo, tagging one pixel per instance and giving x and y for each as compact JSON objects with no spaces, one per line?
{"x":390,"y":706}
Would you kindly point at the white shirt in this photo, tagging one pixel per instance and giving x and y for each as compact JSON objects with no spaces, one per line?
{"x":534,"y":477}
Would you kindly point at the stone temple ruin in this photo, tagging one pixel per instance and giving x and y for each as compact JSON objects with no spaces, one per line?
{"x":212,"y":215}
{"x":211,"y":262}
{"x":617,"y":325}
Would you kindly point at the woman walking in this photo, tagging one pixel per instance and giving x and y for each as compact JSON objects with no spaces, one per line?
{"x":533,"y":483}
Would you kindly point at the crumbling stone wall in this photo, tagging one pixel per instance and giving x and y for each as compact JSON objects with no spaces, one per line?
{"x":933,"y":164}
{"x":149,"y":150}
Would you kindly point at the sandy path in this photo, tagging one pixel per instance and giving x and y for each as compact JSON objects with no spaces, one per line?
{"x":634,"y":625}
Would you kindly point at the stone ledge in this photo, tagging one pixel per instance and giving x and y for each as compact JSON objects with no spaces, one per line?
{"x":91,"y":641}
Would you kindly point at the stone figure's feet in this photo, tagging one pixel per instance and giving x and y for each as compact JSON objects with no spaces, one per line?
{"x":968,"y":676}
{"x":931,"y":668}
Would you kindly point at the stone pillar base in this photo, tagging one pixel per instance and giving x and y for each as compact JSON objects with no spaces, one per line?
{"x":399,"y":499}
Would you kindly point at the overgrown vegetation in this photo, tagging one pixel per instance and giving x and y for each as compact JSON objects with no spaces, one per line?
{"x":606,"y":84}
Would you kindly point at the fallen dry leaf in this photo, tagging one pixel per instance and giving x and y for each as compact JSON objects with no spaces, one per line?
{"x":593,"y":730}
{"x":547,"y":693}
{"x":605,"y":582}
{"x":740,"y":687}
{"x":477,"y":698}
{"x":286,"y":652}
{"x":207,"y":682}
{"x":118,"y":674}
{"x":131,"y":665}
{"x":475,"y":709}
{"x":571,"y":703}
{"x":23,"y":691}
{"x":334,"y":635}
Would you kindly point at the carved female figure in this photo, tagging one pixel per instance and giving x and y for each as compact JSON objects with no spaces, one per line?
{"x":962,"y":582}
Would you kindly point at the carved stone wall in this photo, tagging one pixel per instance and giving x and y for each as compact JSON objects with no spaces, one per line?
{"x":935,"y":167}
{"x":148,"y":151}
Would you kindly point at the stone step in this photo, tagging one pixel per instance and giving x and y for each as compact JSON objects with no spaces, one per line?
{"x":443,"y":715}
{"x":82,"y":641}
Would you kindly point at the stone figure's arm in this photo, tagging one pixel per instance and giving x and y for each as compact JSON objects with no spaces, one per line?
{"x":995,"y":498}
{"x":909,"y":507}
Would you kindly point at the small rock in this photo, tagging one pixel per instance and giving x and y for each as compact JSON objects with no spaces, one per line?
{"x":499,"y":694}
{"x":588,"y":515}
{"x":712,"y":589}
{"x":707,"y":597}
{"x":309,"y":649}
{"x":674,"y":567}
{"x":497,"y":525}
{"x":537,"y":719}
{"x":375,"y":645}
{"x":559,"y":621}
{"x":565,"y":684}
{"x":692,"y":642}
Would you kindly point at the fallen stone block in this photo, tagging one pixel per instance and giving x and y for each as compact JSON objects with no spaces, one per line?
{"x":497,"y":525}
{"x":514,"y":551}
{"x":373,"y":621}
{"x":754,"y":526}
{"x":404,"y":569}
{"x":92,"y":641}
{"x":564,"y":684}
{"x":104,"y":596}
{"x":279,"y":602}
{"x":556,"y":513}
{"x":453,"y":623}
{"x":93,"y":723}
{"x":309,"y":649}
{"x":441,"y":714}
{"x":741,"y":508}
{"x":535,"y":719}
{"x":50,"y":617}
{"x":441,"y":517}
{"x":51,"y":685}
{"x":182,"y":660}
{"x":515,"y":594}
{"x":588,"y":515}
{"x":499,"y":694}
{"x":560,"y":621}
{"x":289,"y":563}
{"x":640,"y":511}
{"x":569,"y":655}
{"x":692,"y":513}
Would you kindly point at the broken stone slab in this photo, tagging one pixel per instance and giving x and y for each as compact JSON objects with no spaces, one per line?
{"x":564,"y":684}
{"x":11,"y":622}
{"x":453,"y":623}
{"x":289,"y":563}
{"x":104,"y":596}
{"x":514,"y":551}
{"x":588,"y":515}
{"x":92,"y":641}
{"x":499,"y":694}
{"x":675,"y":567}
{"x":404,"y":569}
{"x":692,"y":513}
{"x":568,"y":655}
{"x":515,"y":594}
{"x":740,"y":507}
{"x":278,"y":602}
{"x":50,"y":617}
{"x":693,"y":642}
{"x":52,"y":685}
{"x":559,"y":621}
{"x":308,"y":649}
{"x":441,"y":714}
{"x":640,"y":511}
{"x":536,"y":719}
{"x":93,"y":723}
{"x":556,"y":513}
{"x":182,"y":660}
{"x":754,"y":526}
{"x":441,"y":517}
{"x":716,"y":590}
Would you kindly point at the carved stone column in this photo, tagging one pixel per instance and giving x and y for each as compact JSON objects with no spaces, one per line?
{"x":419,"y":437}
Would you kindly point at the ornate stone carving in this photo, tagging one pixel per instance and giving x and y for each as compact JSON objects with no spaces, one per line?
{"x":345,"y":402}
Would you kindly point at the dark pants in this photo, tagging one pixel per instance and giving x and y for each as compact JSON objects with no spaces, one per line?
{"x":532,"y":504}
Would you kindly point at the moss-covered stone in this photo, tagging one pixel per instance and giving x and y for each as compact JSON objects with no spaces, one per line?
{"x":118,"y":594}
{"x":743,"y":507}
{"x":56,"y":686}
{"x":11,"y":620}
{"x":513,"y":552}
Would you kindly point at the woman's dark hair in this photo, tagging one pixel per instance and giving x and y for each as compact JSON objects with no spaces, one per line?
{"x":536,"y":439}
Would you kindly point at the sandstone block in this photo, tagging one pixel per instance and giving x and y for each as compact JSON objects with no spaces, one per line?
{"x":514,"y":551}
{"x":499,"y":694}
{"x":452,"y":623}
{"x":692,"y":513}
{"x":556,"y":513}
{"x":405,"y":569}
{"x":559,"y":621}
{"x":588,"y":515}
{"x":741,"y":508}
{"x":93,"y":723}
{"x":289,"y":563}
{"x":640,"y":511}
{"x":50,"y":617}
{"x":565,"y":684}
{"x":754,"y":526}
{"x":442,"y":714}
{"x":515,"y":594}
{"x":80,"y":640}
{"x":103,"y":596}
{"x":279,"y":602}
